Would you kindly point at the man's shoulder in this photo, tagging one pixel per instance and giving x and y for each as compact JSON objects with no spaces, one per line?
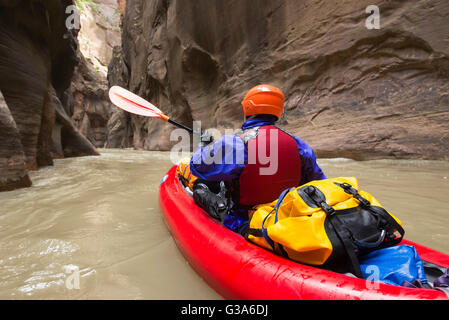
{"x":286,"y":132}
{"x":304,"y":148}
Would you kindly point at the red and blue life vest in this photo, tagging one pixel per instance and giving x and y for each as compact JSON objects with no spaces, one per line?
{"x":256,"y":184}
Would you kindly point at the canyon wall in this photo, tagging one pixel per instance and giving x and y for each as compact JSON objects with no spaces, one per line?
{"x":87,"y":98}
{"x":350,"y":91}
{"x":38,"y":54}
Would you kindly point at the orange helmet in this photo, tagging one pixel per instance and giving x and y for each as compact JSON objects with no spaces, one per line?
{"x":264,"y":99}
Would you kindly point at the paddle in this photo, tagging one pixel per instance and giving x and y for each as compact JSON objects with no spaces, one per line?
{"x":132,"y":103}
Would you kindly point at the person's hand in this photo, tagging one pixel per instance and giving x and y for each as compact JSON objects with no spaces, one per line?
{"x":205,"y":139}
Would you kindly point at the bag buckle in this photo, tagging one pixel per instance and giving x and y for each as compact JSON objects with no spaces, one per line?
{"x":327,"y":208}
{"x":352,"y":191}
{"x":320,"y":200}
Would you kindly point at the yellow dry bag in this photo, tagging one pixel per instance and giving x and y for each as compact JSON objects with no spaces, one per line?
{"x":327,"y":223}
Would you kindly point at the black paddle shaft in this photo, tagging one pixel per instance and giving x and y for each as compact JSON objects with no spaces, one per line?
{"x":180,"y":125}
{"x":204,"y":136}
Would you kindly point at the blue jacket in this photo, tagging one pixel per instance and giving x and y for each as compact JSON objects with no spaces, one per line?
{"x":234,"y":155}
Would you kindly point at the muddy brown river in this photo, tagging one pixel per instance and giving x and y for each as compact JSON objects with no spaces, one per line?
{"x":91,"y":228}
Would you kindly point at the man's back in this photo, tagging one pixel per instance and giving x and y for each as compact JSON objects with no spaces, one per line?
{"x":262,"y":162}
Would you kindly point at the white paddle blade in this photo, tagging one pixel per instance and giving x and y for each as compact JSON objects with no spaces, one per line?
{"x":132,"y":103}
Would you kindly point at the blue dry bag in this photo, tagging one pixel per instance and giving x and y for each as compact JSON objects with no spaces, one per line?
{"x":393,"y":265}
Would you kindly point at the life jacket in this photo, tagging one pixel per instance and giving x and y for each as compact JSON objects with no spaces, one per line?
{"x":328,"y":223}
{"x":184,"y":174}
{"x":262,"y":182}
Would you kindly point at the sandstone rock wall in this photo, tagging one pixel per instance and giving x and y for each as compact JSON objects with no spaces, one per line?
{"x":12,"y":158}
{"x":351,"y":92}
{"x":100,"y":32}
{"x":87,"y":100}
{"x":88,"y":103}
{"x":37,"y":59}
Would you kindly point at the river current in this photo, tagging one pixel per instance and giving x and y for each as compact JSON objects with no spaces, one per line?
{"x":92,"y":228}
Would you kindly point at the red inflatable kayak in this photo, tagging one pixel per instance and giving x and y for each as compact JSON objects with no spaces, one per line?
{"x":239,"y":270}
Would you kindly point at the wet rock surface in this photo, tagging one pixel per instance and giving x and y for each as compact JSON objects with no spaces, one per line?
{"x":12,"y":158}
{"x":88,"y":104}
{"x":37,"y":59}
{"x":351,"y":91}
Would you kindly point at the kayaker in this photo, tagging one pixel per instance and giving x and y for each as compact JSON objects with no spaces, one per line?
{"x":261,"y":161}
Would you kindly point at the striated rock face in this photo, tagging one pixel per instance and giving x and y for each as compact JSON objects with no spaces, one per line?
{"x":351,"y":92}
{"x":87,"y":102}
{"x":12,"y":159}
{"x":87,"y":98}
{"x":37,"y":59}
